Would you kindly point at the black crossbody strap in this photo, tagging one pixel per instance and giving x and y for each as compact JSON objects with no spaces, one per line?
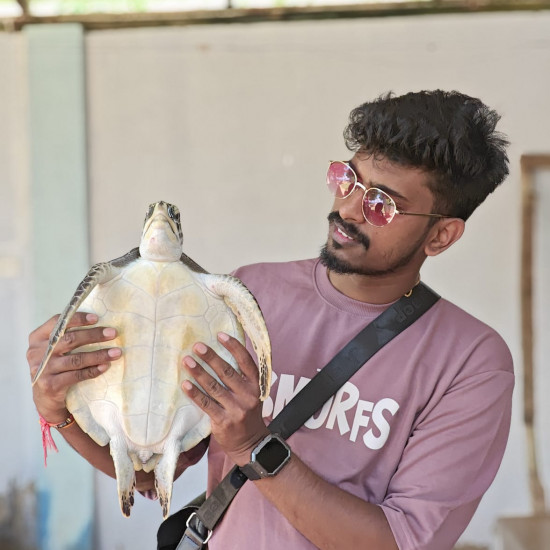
{"x":312,"y":397}
{"x":351,"y":358}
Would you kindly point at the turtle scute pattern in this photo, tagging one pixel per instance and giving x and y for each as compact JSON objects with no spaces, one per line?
{"x":139,"y":398}
{"x":161,"y":302}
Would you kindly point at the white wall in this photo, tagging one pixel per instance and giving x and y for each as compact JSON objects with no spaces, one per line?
{"x":236,"y":124}
{"x":16,"y":409}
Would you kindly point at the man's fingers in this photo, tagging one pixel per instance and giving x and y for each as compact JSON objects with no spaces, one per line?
{"x":203,"y":400}
{"x":71,"y":340}
{"x":234,"y":387}
{"x":84,"y":360}
{"x":82,"y":319}
{"x":72,"y":363}
{"x":231,"y":378}
{"x":76,"y":338}
{"x":69,"y":378}
{"x":240,"y":353}
{"x":79,"y":319}
{"x":210,"y":385}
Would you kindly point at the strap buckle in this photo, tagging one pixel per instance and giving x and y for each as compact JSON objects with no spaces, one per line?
{"x":194,"y":533}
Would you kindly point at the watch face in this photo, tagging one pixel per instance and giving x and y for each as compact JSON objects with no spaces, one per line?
{"x":272,"y":455}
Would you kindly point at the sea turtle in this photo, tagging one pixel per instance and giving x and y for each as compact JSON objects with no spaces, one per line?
{"x":161,"y":302}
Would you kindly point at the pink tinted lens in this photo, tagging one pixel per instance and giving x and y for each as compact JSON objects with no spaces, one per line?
{"x":378,"y":207}
{"x":340,"y":179}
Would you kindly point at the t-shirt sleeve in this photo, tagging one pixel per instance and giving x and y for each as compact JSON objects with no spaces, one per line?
{"x":451,"y":458}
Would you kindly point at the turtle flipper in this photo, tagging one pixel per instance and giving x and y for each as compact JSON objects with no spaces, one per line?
{"x":98,"y":274}
{"x":164,"y":474}
{"x":125,"y":473}
{"x":191,"y":264}
{"x":244,"y":306}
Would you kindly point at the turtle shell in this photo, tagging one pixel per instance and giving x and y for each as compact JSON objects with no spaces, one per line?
{"x":161,"y":302}
{"x":159,"y":310}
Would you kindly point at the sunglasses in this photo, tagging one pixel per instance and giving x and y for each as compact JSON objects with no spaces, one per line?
{"x":379,"y":208}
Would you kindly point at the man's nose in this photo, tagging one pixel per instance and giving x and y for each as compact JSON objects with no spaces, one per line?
{"x":351,"y":208}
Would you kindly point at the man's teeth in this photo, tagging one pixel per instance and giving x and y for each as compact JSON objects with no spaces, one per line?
{"x":343,"y":233}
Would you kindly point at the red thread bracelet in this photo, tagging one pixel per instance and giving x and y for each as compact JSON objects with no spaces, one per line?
{"x":47,"y":439}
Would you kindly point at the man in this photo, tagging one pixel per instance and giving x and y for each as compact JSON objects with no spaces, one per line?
{"x":401,"y":456}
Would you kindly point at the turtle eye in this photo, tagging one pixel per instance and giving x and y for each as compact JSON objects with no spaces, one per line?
{"x":173,"y":212}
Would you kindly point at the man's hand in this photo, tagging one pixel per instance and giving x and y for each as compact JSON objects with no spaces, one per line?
{"x":65,"y":368}
{"x":235,"y":410}
{"x":310,"y":503}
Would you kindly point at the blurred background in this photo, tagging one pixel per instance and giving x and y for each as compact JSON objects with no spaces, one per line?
{"x":232,"y":111}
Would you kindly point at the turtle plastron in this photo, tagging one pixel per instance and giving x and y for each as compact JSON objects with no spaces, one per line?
{"x":161,"y":302}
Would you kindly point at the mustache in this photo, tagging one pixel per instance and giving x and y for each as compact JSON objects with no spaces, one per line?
{"x":349,"y":228}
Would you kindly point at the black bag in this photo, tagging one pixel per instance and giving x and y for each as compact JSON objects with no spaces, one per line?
{"x":172,"y":528}
{"x":192,"y":526}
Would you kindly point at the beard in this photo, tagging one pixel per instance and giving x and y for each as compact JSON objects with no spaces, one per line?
{"x":338,"y":265}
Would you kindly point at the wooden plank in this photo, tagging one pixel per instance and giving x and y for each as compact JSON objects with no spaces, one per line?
{"x":529,"y":163}
{"x":524,"y":533}
{"x":98,"y":21}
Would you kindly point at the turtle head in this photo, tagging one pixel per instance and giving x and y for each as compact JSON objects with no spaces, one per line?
{"x":162,"y":238}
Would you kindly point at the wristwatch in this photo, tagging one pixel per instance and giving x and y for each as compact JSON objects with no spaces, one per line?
{"x":268,"y":458}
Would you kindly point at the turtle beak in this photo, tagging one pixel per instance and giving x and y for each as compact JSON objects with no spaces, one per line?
{"x":160,"y":240}
{"x":160,"y":215}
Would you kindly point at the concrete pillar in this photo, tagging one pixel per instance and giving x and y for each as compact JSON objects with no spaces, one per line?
{"x":57,"y":119}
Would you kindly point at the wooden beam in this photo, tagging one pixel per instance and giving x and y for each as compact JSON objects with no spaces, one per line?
{"x":98,"y":21}
{"x":529,"y":164}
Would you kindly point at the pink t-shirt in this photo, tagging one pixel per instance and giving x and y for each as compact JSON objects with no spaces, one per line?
{"x":420,"y":430}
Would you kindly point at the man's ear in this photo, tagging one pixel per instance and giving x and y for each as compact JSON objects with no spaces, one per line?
{"x":444,"y":234}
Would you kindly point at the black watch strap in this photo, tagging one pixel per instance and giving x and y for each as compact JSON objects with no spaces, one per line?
{"x":250,"y":472}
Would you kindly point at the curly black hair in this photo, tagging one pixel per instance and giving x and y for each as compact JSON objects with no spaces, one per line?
{"x":448,"y":134}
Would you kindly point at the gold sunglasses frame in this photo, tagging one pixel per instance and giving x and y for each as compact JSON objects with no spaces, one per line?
{"x":365,"y":189}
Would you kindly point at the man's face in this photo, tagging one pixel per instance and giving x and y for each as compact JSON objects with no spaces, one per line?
{"x":356,"y":247}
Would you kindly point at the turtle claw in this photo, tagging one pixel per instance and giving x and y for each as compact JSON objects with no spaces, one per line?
{"x":164,"y":475}
{"x":164,"y":501}
{"x":125,"y":476}
{"x":126,"y":502}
